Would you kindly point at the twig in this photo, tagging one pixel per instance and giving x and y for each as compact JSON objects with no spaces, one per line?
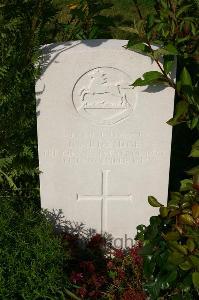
{"x":138,"y":9}
{"x":73,"y":296}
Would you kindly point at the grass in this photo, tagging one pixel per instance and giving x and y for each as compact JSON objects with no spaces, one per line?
{"x":32,"y":258}
{"x":123,"y":13}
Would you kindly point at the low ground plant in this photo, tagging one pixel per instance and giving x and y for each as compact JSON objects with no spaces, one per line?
{"x":31,"y":256}
{"x":99,"y":271}
{"x":171,"y":246}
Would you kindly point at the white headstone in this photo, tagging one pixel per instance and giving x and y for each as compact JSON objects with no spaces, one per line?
{"x":103,"y":146}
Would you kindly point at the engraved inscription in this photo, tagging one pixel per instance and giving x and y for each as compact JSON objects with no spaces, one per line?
{"x":103,"y":95}
{"x":106,"y":147}
{"x":104,"y":198}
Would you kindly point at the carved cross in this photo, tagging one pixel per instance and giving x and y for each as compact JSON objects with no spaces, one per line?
{"x":104,"y":198}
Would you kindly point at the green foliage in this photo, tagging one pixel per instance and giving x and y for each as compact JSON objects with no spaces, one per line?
{"x":171,"y":241}
{"x":195,"y":149}
{"x":86,"y":21}
{"x":21,"y":24}
{"x":25,"y":25}
{"x":32,"y":257}
{"x":151,"y":78}
{"x":78,"y":19}
{"x":177,"y":37}
{"x":171,"y":246}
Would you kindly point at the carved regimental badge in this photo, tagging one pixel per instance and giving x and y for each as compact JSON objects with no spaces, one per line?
{"x":104,"y":95}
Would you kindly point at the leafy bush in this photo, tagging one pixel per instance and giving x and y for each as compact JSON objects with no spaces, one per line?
{"x":171,"y":246}
{"x":85,"y":20}
{"x":21,"y":23}
{"x":176,"y":38}
{"x":31,"y":256}
{"x":98,"y":271}
{"x":171,"y":242}
{"x":78,"y":19}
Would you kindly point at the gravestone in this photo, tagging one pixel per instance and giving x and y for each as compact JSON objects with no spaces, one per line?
{"x":103,"y":146}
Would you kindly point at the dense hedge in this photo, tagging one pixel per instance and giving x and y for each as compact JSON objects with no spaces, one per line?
{"x":21,"y":34}
{"x":31,"y":256}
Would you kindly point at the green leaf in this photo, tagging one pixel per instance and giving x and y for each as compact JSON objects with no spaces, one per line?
{"x":186,"y":219}
{"x":185,"y":266}
{"x":153,"y":230}
{"x":160,"y":52}
{"x":171,"y":49}
{"x":195,"y":260}
{"x":146,"y":250}
{"x":176,"y":258}
{"x":195,"y":209}
{"x":194,"y":153}
{"x":183,"y":9}
{"x":185,"y":205}
{"x":190,"y":245}
{"x":195,"y":150}
{"x":181,"y":109}
{"x":172,"y":236}
{"x":128,"y":29}
{"x":140,"y":48}
{"x":176,"y":196}
{"x":140,"y":232}
{"x":112,"y":274}
{"x":153,"y":289}
{"x":183,"y":39}
{"x":187,"y":283}
{"x":73,"y":296}
{"x":180,"y":113}
{"x":174,"y":203}
{"x":185,"y":78}
{"x":193,"y":27}
{"x":154,"y":202}
{"x":149,"y":265}
{"x":193,"y":171}
{"x":9,"y":180}
{"x":193,"y":123}
{"x":180,"y":248}
{"x":150,"y":78}
{"x":172,"y":277}
{"x":173,"y":122}
{"x":168,"y":63}
{"x":186,"y":185}
{"x":195,"y":279}
{"x":164,"y":211}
